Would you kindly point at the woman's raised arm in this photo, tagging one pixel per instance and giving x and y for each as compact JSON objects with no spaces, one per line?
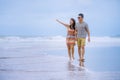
{"x":66,"y":25}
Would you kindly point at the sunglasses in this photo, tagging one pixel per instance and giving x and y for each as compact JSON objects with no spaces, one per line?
{"x":79,"y":17}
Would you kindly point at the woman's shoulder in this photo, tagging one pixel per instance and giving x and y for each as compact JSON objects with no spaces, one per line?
{"x":71,"y":30}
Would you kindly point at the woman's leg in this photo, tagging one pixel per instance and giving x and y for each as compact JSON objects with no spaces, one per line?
{"x":72,"y":51}
{"x":69,"y":52}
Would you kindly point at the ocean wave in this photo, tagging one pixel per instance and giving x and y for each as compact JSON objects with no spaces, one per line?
{"x":95,"y":41}
{"x":17,"y":38}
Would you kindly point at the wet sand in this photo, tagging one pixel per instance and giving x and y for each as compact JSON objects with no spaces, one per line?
{"x":42,"y":67}
{"x":48,"y":67}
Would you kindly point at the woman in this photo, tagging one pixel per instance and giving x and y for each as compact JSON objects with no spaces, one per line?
{"x":70,"y":39}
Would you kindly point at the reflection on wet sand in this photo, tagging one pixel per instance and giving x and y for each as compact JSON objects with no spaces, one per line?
{"x":73,"y":67}
{"x":77,"y":72}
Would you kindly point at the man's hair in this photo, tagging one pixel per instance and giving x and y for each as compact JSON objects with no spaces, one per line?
{"x":81,"y":14}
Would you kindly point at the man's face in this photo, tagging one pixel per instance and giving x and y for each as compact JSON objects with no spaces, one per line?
{"x":80,"y":18}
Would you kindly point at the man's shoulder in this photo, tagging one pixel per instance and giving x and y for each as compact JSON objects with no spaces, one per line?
{"x":85,"y":23}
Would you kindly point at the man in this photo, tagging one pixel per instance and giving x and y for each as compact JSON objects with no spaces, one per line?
{"x":82,"y":31}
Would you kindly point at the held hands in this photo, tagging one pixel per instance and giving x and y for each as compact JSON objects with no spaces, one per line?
{"x":76,"y":39}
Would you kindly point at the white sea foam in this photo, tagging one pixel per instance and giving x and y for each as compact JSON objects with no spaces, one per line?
{"x":56,"y":40}
{"x":104,"y":42}
{"x":16,"y":38}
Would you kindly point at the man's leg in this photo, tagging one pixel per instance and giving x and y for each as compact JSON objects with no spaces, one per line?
{"x":79,"y":52}
{"x":79,"y":47}
{"x":82,"y":49}
{"x":82,"y":52}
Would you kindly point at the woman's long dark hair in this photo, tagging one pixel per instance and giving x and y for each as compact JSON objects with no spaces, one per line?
{"x":72,"y":26}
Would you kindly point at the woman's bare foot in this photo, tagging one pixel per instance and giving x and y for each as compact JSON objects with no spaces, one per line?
{"x":73,"y":57}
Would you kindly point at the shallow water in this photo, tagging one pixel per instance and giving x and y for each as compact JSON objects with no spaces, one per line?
{"x":46,"y":60}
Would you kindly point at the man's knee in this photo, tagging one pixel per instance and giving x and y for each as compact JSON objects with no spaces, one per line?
{"x":79,"y":47}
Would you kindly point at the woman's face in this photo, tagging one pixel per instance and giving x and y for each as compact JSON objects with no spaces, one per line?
{"x":71,"y":22}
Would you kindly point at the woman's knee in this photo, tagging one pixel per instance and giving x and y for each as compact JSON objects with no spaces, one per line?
{"x":72,"y":46}
{"x":83,"y":47}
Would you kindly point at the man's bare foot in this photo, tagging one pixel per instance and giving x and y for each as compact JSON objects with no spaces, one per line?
{"x":81,"y":60}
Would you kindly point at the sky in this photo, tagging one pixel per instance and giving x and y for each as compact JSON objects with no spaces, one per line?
{"x":38,"y":17}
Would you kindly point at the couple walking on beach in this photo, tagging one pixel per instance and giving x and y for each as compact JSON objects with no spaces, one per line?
{"x":76,"y":32}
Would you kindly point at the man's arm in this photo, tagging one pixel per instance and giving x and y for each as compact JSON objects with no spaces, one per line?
{"x":88,"y":32}
{"x":88,"y":35}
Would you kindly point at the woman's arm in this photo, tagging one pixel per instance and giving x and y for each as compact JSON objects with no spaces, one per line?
{"x":66,"y":25}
